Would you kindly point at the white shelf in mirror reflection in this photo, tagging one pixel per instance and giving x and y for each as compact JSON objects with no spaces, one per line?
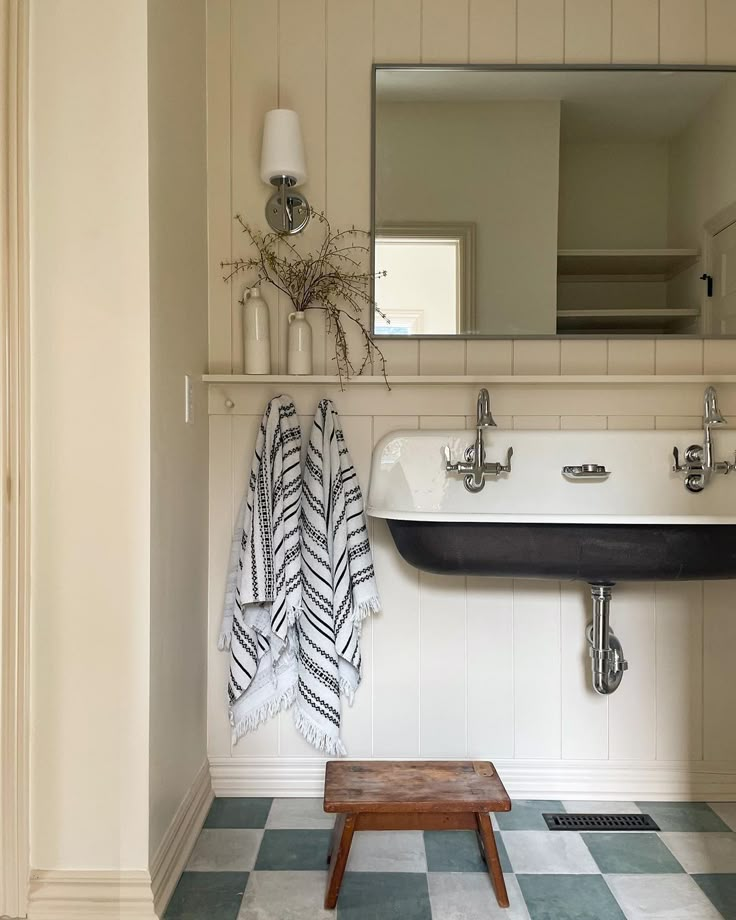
{"x":653,"y":319}
{"x":472,"y":380}
{"x":659,"y":262}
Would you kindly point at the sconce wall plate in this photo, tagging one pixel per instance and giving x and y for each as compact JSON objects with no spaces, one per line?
{"x":287,"y":210}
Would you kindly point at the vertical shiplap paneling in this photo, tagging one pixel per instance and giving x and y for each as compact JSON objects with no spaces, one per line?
{"x":489,"y":357}
{"x":397,"y":31}
{"x":537,"y":719}
{"x":220,"y":529}
{"x":721,"y":29}
{"x":442,"y":666}
{"x":254,"y":68}
{"x":584,"y":712}
{"x":348,"y":139}
{"x":441,"y":357}
{"x":635,"y":31}
{"x":631,"y":709}
{"x":719,"y":673}
{"x":490,"y":668}
{"x":540,"y":32}
{"x":444,"y":32}
{"x":514,"y":642}
{"x":396,"y":641}
{"x":265,"y":740}
{"x":396,"y":635}
{"x":587,"y":31}
{"x":682,"y":31}
{"x":492,"y":27}
{"x":219,"y":207}
{"x":302,"y":86}
{"x":679,"y":670}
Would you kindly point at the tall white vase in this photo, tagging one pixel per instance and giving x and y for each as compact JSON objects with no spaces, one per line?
{"x":256,"y":333}
{"x":299,"y":353}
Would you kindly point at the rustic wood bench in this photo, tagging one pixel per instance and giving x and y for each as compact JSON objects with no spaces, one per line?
{"x":412,"y":796}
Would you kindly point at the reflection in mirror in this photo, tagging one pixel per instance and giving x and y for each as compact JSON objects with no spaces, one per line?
{"x":512,"y":202}
{"x":427,"y":287}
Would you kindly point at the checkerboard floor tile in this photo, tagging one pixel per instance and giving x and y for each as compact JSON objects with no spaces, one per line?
{"x":265,"y":859}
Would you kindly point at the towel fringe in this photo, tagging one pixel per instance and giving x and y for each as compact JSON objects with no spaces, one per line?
{"x":319,"y":739}
{"x":365,"y":608}
{"x":255,"y":718}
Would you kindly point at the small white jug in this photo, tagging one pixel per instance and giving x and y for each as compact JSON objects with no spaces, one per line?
{"x":299,"y":355}
{"x":256,"y":333}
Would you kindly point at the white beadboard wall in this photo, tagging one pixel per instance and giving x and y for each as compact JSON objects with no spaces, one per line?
{"x":460,"y":667}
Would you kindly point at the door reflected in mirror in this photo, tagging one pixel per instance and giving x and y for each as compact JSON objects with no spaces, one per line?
{"x":424,"y":280}
{"x":552,"y":201}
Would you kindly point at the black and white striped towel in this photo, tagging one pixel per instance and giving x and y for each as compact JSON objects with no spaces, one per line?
{"x":338,"y":583}
{"x":264,"y":582}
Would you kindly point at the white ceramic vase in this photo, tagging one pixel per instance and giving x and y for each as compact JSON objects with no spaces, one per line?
{"x":256,"y":333}
{"x":299,"y":353}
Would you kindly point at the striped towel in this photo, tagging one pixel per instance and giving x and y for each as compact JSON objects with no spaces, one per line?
{"x":338,"y":583}
{"x":264,"y":583}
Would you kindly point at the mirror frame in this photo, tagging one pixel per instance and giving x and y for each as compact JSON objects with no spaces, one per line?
{"x":375,"y":70}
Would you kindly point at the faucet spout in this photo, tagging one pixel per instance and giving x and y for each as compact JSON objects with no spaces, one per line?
{"x":484,"y":417}
{"x":711,"y":412}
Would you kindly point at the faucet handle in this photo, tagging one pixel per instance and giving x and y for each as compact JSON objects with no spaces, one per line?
{"x":506,"y":467}
{"x":676,"y":468}
{"x":450,"y":467}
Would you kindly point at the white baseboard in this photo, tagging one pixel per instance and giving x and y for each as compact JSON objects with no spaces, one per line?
{"x":61,"y":894}
{"x":533,"y":779}
{"x":174,"y":850}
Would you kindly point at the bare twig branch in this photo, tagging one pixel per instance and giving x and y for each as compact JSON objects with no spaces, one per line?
{"x":332,"y":279}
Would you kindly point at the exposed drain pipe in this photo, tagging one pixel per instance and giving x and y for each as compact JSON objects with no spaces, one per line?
{"x":608,"y":663}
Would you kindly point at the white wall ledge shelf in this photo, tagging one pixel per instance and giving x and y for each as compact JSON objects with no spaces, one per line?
{"x":475,"y":379}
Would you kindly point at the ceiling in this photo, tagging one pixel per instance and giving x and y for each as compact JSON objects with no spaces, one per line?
{"x":595,"y":105}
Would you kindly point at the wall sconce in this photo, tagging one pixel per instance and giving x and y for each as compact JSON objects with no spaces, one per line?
{"x":283,"y":165}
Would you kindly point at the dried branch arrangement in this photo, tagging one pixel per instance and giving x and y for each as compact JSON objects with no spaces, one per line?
{"x":331,"y":278}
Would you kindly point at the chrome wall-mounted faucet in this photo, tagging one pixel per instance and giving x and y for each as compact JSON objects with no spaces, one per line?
{"x":699,"y":465}
{"x":473,"y":465}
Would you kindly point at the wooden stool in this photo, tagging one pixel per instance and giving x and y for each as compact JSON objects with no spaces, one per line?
{"x":412,"y":795}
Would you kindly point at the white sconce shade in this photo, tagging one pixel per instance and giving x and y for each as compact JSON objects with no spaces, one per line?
{"x":282,"y":153}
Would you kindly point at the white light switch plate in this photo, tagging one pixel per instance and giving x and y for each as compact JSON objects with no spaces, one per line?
{"x":188,"y":400}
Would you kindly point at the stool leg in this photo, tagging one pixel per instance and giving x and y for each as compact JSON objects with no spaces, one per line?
{"x":342,"y":837}
{"x":485,"y":829}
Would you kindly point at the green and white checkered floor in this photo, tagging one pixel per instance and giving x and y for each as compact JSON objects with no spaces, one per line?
{"x":264,"y":859}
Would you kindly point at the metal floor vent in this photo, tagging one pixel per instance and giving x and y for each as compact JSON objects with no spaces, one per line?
{"x":572,"y":822}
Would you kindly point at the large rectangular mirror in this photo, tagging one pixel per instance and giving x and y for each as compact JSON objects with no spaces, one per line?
{"x":554,"y":201}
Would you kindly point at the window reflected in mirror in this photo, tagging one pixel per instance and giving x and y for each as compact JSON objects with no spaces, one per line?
{"x":541,"y":202}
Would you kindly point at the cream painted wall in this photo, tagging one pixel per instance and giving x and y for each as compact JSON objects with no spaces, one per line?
{"x":613,"y":195}
{"x":90,"y":434}
{"x":119,"y":289}
{"x":178,"y":269}
{"x":659,"y":731}
{"x":492,"y":164}
{"x":703,"y":169}
{"x":702,"y":183}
